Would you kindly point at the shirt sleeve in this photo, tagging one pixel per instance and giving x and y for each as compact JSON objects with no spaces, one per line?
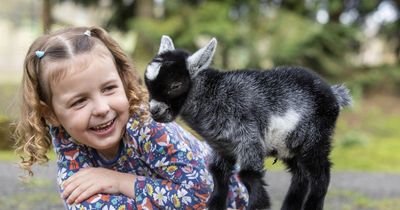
{"x":179,"y":178}
{"x":238,"y":197}
{"x":71,"y":157}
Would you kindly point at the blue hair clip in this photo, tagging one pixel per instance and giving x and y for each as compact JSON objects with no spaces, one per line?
{"x":39,"y":53}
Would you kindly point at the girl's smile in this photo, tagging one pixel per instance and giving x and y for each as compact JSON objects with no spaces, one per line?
{"x":104,"y":129}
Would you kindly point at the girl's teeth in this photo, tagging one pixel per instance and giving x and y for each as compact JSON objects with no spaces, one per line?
{"x":100,"y":127}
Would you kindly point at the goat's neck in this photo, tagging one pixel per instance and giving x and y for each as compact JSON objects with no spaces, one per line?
{"x":204,"y":87}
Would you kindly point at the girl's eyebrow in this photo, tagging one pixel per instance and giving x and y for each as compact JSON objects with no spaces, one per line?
{"x":113,"y":80}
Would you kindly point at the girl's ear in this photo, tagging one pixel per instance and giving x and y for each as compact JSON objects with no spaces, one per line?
{"x":49,"y":115}
{"x":202,"y":58}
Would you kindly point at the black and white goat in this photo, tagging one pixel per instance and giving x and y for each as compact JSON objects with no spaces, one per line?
{"x":286,"y":112}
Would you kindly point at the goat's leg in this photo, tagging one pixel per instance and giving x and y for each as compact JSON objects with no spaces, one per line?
{"x":298,"y":188}
{"x":254,"y":182}
{"x":252,"y":174}
{"x":318,"y":169}
{"x":221,"y":169}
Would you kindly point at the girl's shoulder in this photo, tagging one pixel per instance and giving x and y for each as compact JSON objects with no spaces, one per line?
{"x":60,"y":138}
{"x":152,"y":132}
{"x":70,"y":151}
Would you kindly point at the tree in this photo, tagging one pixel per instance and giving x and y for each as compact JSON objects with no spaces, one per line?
{"x":47,"y":19}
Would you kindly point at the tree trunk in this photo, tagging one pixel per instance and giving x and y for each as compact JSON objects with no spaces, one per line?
{"x":46,"y":16}
{"x":144,"y":8}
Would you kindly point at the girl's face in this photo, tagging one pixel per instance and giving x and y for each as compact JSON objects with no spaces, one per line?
{"x":90,"y":102}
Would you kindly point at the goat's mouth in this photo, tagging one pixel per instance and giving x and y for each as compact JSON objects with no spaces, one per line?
{"x":161,"y":112}
{"x":165,"y":117}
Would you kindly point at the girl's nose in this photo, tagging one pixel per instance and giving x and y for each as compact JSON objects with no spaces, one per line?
{"x":101,"y":107}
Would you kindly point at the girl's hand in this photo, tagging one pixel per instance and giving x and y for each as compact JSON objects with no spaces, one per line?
{"x":90,"y":181}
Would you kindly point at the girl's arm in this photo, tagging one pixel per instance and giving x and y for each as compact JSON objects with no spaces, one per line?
{"x":71,"y":158}
{"x":178,"y":178}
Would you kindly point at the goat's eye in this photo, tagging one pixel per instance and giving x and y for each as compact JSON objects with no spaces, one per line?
{"x":175,"y":89}
{"x":175,"y":86}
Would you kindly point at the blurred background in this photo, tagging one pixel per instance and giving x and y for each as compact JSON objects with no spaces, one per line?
{"x":355,"y":42}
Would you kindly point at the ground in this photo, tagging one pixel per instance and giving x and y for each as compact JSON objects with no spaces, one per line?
{"x":347,"y":191}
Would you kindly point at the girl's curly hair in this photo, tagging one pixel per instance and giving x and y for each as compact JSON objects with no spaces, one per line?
{"x":32,"y":136}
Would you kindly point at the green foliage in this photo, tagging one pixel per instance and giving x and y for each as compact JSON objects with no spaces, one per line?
{"x":353,"y":139}
{"x":335,"y":7}
{"x":6,"y":142}
{"x":368,"y":6}
{"x":243,"y":27}
{"x":208,"y":19}
{"x":8,"y":92}
{"x":324,"y":48}
{"x":150,"y":32}
{"x":211,"y":19}
{"x":8,"y":97}
{"x":381,"y":79}
{"x":286,"y":38}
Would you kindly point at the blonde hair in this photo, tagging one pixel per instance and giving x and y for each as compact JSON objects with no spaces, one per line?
{"x":32,"y":136}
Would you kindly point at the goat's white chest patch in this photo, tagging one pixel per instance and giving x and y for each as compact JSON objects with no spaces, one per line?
{"x":152,"y":70}
{"x":279,"y":128}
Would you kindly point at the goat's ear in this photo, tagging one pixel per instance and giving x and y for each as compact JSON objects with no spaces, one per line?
{"x":166,"y":44}
{"x":202,"y":58}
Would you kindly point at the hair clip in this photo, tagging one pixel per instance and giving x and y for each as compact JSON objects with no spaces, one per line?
{"x":39,"y":53}
{"x":88,"y":33}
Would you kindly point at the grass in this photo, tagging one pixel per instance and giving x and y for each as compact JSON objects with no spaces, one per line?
{"x":10,"y":156}
{"x":367,"y":138}
{"x":28,"y":200}
{"x":375,"y":155}
{"x":351,"y":200}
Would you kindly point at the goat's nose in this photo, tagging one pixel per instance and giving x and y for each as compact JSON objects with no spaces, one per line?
{"x":158,"y":111}
{"x":158,"y":108}
{"x":155,"y":110}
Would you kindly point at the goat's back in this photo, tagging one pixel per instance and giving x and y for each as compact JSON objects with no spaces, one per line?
{"x":270,"y":91}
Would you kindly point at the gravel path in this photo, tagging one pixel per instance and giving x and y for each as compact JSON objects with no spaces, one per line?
{"x":348,"y":190}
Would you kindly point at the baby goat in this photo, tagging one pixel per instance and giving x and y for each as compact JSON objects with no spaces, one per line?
{"x":286,"y":112}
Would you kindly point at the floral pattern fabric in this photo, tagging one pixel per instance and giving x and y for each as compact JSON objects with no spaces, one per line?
{"x":170,"y":164}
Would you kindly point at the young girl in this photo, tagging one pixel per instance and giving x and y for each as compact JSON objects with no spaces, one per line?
{"x":81,"y":95}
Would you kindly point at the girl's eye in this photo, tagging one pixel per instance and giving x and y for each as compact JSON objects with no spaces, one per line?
{"x":109,"y":88}
{"x":78,"y":102}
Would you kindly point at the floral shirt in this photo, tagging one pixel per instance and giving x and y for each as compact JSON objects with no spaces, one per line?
{"x":169,"y":162}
